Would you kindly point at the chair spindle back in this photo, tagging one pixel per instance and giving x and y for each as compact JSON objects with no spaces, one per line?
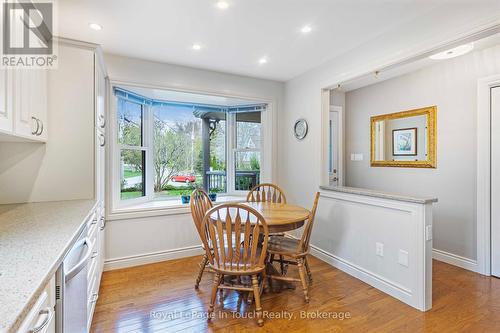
{"x":238,"y":236}
{"x":266,"y":192}
{"x":200,"y":203}
{"x":306,"y":235}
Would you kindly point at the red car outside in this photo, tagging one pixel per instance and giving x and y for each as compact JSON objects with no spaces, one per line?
{"x":183,"y":178}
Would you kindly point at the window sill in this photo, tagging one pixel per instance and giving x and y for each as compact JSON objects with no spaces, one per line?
{"x":162,"y":208}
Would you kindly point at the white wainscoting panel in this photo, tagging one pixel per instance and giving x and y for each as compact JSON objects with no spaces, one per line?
{"x":346,"y":231}
{"x":139,"y":241}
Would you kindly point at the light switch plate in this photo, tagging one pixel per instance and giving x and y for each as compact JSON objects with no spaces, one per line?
{"x":353,"y":157}
{"x":403,"y":258}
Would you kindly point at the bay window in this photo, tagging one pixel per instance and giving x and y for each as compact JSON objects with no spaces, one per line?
{"x":166,"y":148}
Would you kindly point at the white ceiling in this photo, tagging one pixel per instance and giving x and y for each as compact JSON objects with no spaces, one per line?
{"x":234,"y":39}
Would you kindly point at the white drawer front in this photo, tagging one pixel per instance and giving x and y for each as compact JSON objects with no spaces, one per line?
{"x":41,"y":318}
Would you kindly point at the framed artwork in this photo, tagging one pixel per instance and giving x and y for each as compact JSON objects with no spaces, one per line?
{"x":404,"y":142}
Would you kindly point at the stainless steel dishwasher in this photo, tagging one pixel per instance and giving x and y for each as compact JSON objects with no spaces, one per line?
{"x":71,"y":288}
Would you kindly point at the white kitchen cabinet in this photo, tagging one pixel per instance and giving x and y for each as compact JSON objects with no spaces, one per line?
{"x":23,"y":105}
{"x":30,"y":103}
{"x":96,"y":238}
{"x":98,"y":235}
{"x":41,"y":317}
{"x":6,"y":118}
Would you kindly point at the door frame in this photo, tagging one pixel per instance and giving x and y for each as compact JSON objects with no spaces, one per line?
{"x":325,"y":117}
{"x":483,"y":195}
{"x":340,"y":154}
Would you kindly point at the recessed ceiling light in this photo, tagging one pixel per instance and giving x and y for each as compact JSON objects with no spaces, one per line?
{"x":306,"y":29}
{"x":454,"y":52}
{"x":222,"y":4}
{"x":196,"y":47}
{"x":262,"y":61}
{"x":95,"y":26}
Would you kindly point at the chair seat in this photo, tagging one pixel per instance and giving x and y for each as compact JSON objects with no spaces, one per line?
{"x":283,"y":245}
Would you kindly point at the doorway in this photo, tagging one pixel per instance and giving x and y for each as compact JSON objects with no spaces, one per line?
{"x":335,"y":146}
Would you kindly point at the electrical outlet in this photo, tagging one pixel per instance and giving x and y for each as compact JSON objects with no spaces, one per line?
{"x":403,"y":258}
{"x":379,"y":249}
{"x":359,"y":157}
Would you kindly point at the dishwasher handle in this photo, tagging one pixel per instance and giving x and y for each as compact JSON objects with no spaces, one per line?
{"x":82,"y":263}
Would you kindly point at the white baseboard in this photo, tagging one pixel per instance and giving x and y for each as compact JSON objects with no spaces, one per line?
{"x":152,"y":257}
{"x":393,"y":289}
{"x":455,"y":260}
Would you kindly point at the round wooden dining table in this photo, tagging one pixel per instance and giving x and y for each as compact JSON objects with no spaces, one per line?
{"x":280,"y":217}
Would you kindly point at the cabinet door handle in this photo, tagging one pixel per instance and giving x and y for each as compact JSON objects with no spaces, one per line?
{"x":48,"y":313}
{"x":102,"y":122}
{"x":103,"y":224}
{"x":35,"y":132}
{"x":102,"y":140}
{"x":41,"y":126}
{"x":95,"y":296}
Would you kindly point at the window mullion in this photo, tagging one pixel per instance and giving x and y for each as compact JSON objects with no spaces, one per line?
{"x":149,"y":124}
{"x":231,"y":140}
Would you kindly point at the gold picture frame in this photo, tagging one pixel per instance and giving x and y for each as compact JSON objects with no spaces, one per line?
{"x":431,"y":162}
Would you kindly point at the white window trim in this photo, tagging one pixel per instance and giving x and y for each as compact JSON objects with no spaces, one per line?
{"x":132,"y":208}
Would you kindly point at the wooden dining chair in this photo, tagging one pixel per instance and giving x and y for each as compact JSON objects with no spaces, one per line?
{"x":296,"y":251}
{"x":266,"y":192}
{"x":238,"y":236}
{"x":200,"y":203}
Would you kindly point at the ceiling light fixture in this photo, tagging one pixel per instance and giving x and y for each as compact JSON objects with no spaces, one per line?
{"x":222,"y":4}
{"x":262,"y":61}
{"x":454,"y":52}
{"x":95,"y":26}
{"x":196,"y":47}
{"x":306,"y":29}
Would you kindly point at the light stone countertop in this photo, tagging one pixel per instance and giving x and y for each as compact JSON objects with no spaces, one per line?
{"x":378,"y":194}
{"x":34,"y":237}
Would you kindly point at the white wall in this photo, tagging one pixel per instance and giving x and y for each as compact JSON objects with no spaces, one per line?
{"x":300,"y":161}
{"x":451,"y":86}
{"x":142,"y":240}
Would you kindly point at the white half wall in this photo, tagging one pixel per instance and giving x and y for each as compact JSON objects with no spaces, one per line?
{"x":347,"y":229}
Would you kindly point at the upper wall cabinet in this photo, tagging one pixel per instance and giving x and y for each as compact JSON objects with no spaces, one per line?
{"x":23,"y":105}
{"x":6,"y":120}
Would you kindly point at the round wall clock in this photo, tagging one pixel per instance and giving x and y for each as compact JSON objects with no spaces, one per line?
{"x":300,"y":129}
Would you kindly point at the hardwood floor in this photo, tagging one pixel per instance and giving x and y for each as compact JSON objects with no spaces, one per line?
{"x":161,"y":298}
